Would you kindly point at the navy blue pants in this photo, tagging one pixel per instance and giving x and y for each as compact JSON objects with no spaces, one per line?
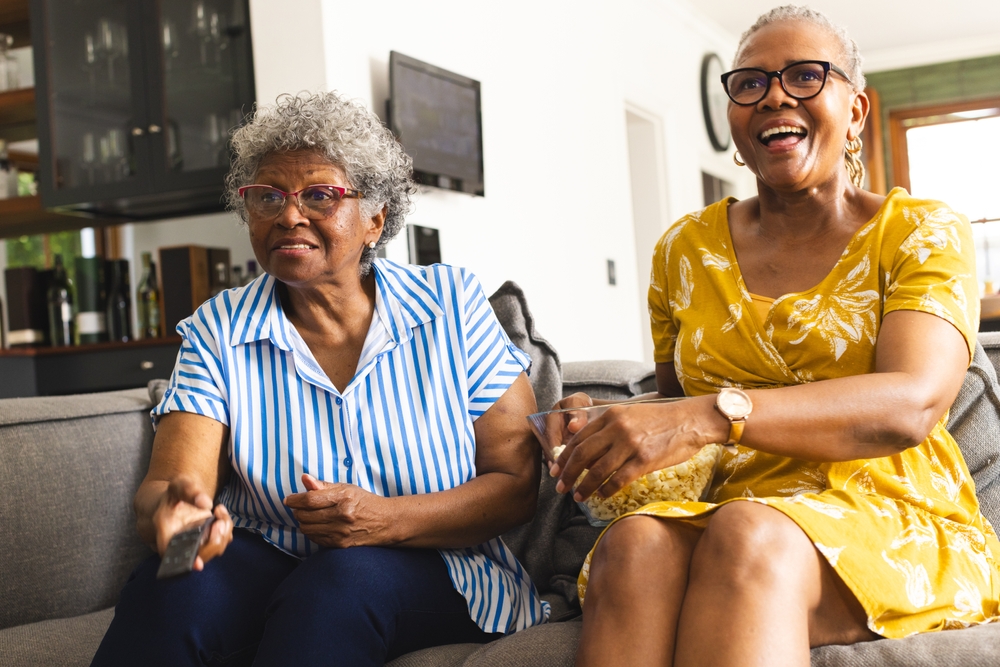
{"x":256,"y":605}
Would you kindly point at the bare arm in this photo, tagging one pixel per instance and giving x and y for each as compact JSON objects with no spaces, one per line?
{"x":920,"y":364}
{"x":502,"y":495}
{"x":186,"y":469}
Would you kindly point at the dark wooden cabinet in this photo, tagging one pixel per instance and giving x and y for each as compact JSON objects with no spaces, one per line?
{"x":85,"y":368}
{"x":136,"y":100}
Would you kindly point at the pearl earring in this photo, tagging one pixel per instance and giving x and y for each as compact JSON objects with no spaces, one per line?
{"x":371,"y":244}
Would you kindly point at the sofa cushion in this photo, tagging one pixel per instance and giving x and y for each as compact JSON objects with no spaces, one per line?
{"x":512,"y":311}
{"x":969,"y":647}
{"x":554,"y":645}
{"x":69,"y":532}
{"x":609,"y":380}
{"x":974,"y":422}
{"x":67,"y":642}
{"x":550,"y":645}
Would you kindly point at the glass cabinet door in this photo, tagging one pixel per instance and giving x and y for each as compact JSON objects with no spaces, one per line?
{"x":92,"y":84}
{"x":204,"y":51}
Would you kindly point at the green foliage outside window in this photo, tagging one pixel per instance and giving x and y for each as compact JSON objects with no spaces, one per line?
{"x":39,"y":250}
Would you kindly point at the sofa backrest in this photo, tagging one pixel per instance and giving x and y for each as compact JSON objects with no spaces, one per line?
{"x":69,"y":467}
{"x":974,"y":421}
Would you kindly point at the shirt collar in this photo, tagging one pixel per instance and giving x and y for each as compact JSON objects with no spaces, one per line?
{"x":403,"y":300}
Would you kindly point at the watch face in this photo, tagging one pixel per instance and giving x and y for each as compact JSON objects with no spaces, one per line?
{"x":714,"y":102}
{"x":734,"y":403}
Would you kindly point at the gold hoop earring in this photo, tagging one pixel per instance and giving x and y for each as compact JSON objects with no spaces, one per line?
{"x":737,"y":160}
{"x":854,"y":145}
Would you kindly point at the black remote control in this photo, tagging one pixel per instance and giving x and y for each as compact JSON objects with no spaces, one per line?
{"x":183,"y":549}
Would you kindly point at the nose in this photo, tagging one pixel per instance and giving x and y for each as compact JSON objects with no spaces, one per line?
{"x":291,"y":214}
{"x":775,"y":96}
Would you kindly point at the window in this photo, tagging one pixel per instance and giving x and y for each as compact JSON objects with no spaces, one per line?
{"x":949,"y":152}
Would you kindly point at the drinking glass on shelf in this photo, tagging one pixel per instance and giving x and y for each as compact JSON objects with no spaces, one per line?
{"x":117,"y":155}
{"x":104,"y":154}
{"x":90,"y":59}
{"x":112,"y":43}
{"x":88,"y":157}
{"x":171,"y":45}
{"x":8,"y":66}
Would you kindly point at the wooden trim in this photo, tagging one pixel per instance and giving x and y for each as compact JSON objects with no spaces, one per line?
{"x":900,"y":154}
{"x":897,"y":130}
{"x":874,"y":153}
{"x":112,"y":242}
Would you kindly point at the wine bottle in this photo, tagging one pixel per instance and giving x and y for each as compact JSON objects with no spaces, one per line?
{"x":60,"y":299}
{"x":237,"y":274}
{"x":91,"y":317}
{"x":251,"y":272}
{"x":119,"y":306}
{"x":148,"y":299}
{"x":221,"y":283}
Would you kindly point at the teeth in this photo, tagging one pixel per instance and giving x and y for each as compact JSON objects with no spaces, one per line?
{"x":781,"y":129}
{"x":300,"y":246}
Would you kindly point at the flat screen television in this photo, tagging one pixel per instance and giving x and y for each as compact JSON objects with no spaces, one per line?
{"x":436,"y":116}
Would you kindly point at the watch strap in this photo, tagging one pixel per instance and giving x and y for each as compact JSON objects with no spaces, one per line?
{"x":736,"y":431}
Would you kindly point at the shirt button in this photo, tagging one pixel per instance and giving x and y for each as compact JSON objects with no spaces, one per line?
{"x":348,"y":462}
{"x":339,"y":400}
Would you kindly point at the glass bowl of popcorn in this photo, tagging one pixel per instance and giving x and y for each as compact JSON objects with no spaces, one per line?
{"x":689,"y":480}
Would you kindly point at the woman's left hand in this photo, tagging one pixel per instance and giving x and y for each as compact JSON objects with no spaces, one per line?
{"x":341,"y":515}
{"x":628,"y":441}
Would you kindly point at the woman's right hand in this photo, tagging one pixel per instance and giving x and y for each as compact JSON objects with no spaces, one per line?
{"x":184,"y":505}
{"x":560,"y":427}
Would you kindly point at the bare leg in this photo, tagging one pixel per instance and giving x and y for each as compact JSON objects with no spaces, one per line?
{"x":638,"y":575}
{"x":760,"y":594}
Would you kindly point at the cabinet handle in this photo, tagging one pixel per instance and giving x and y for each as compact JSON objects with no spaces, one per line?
{"x":136,"y":131}
{"x":146,"y":365}
{"x":155,"y":129}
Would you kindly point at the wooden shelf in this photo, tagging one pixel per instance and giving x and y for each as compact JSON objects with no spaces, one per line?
{"x":25,"y":215}
{"x":170,"y":341}
{"x":17,"y":107}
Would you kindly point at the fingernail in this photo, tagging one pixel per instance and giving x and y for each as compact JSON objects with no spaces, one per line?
{"x":577,"y":497}
{"x":554,"y":470}
{"x":560,"y":487}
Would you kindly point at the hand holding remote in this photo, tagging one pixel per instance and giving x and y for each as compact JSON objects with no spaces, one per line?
{"x":186,"y":505}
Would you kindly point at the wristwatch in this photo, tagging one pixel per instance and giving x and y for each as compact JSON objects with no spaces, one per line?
{"x":735,"y":405}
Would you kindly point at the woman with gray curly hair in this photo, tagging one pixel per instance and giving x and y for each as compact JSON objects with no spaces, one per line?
{"x":822,"y":332}
{"x":342,"y":441}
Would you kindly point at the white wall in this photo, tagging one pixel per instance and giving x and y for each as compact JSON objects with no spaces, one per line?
{"x":556,"y":79}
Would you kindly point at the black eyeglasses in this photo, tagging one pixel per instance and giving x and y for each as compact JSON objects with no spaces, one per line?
{"x":801,"y":80}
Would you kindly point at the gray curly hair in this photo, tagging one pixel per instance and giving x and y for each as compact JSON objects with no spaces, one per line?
{"x":345,"y":133}
{"x":851,"y":65}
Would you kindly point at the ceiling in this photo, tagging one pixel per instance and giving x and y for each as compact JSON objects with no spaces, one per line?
{"x":890,"y":33}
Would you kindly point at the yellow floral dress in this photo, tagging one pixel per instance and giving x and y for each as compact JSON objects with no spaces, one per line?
{"x":904,"y":532}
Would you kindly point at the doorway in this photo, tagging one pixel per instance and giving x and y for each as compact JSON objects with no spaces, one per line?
{"x":648,"y":203}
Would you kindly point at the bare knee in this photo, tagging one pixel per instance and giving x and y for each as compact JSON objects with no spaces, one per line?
{"x":634,"y":542}
{"x":752,"y":545}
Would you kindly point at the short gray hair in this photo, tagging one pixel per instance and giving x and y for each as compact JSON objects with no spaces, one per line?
{"x":345,"y":133}
{"x":796,"y":13}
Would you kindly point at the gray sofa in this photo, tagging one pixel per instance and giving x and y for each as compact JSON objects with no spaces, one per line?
{"x":70,"y":465}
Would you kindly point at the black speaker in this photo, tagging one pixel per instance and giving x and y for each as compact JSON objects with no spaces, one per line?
{"x":28,"y":316}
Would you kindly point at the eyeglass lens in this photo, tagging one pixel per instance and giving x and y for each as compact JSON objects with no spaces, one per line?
{"x":802,"y":81}
{"x":315,"y":201}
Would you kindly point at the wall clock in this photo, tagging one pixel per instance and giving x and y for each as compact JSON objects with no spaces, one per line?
{"x":714,"y":102}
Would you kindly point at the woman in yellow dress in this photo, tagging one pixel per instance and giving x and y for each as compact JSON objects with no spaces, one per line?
{"x":825,"y":331}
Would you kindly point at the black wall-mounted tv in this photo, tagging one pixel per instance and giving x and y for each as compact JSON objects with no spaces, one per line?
{"x":436,"y":116}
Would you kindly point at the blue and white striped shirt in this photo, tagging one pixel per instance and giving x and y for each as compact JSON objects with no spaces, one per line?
{"x":434,"y":360}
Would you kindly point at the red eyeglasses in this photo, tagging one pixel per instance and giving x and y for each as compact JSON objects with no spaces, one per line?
{"x":314,"y":201}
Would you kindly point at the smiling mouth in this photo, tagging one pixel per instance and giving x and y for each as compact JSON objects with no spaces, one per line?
{"x":781,"y":134}
{"x":297,"y":246}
